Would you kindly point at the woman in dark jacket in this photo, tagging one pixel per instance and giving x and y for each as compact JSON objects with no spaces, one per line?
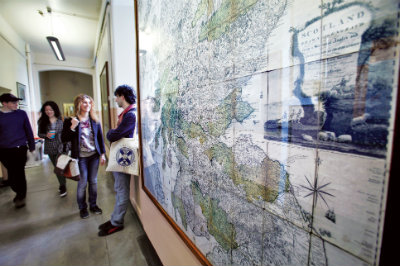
{"x":50,"y":128}
{"x":87,"y":145}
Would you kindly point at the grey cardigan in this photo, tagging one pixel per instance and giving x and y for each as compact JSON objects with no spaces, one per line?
{"x":53,"y":146}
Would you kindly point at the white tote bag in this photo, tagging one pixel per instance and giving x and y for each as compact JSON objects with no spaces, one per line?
{"x":68,"y":167}
{"x":124,"y":156}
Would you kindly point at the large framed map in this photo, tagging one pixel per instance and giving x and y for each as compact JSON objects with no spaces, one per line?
{"x":267,"y":125}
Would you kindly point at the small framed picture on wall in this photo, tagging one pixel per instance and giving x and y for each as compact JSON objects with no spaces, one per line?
{"x":23,"y":107}
{"x":68,"y":109}
{"x":21,"y":90}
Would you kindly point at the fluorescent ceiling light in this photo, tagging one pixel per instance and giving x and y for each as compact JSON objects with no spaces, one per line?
{"x":56,"y":47}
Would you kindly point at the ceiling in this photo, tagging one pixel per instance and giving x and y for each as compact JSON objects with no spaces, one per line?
{"x":73,"y":22}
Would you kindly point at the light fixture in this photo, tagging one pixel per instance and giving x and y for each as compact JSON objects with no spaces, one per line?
{"x":53,"y":41}
{"x":56,"y":47}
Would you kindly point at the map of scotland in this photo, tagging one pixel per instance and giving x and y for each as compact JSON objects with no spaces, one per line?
{"x":267,"y":125}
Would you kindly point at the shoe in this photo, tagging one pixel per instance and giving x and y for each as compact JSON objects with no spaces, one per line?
{"x":105,"y":225}
{"x":111,"y":229}
{"x":63,"y":191}
{"x":15,"y":198}
{"x":96,"y":210}
{"x":4,"y":183}
{"x":19,"y":203}
{"x":84,"y":213}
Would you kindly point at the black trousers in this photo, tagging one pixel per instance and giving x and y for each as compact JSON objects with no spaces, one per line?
{"x":14,"y":159}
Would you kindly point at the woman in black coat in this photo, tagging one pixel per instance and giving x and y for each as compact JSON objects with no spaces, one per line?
{"x":87,"y":145}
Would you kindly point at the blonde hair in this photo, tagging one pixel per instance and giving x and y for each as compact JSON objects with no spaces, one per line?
{"x":77,"y":104}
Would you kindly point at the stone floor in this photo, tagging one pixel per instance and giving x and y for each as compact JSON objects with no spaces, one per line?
{"x":49,"y":231}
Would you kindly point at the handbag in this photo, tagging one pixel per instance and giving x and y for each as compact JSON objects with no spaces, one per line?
{"x":67,"y":167}
{"x":124,"y":156}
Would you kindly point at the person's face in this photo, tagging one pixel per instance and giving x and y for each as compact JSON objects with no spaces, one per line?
{"x":120,"y":100}
{"x":49,"y":111}
{"x":11,"y":105}
{"x":85,"y":105}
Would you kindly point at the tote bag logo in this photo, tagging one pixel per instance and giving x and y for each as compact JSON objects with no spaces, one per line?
{"x":125,"y":156}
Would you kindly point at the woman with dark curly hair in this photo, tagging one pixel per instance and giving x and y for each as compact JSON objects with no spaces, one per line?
{"x":50,"y":129}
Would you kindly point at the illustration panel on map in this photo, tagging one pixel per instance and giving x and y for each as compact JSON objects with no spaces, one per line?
{"x":349,"y":108}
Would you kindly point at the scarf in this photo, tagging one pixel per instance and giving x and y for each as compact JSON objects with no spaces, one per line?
{"x":121,"y":115}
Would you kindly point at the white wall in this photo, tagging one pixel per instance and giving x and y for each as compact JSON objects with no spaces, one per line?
{"x":123,"y":43}
{"x":103,"y":52}
{"x":116,"y":45}
{"x":62,"y":86}
{"x":48,"y":62}
{"x":13,"y":66}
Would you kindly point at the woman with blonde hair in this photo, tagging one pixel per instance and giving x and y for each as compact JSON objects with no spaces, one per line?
{"x":87,"y":145}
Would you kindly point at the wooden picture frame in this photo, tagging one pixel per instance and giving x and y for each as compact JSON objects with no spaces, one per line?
{"x":105,"y":102}
{"x":21,"y":92}
{"x":189,"y":243}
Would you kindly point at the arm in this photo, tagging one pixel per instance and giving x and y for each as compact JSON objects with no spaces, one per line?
{"x":42,"y":135}
{"x":59,"y":129}
{"x":29,"y":133}
{"x":67,"y":134}
{"x":45,"y":134}
{"x":126,"y":127}
{"x":100,"y":139}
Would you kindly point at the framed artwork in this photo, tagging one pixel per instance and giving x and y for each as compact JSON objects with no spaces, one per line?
{"x":68,"y":109}
{"x":270,"y":144}
{"x":23,"y":107}
{"x":105,"y":103}
{"x":21,"y":91}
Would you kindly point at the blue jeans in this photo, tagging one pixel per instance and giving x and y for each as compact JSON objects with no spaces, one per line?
{"x":121,"y":186}
{"x":88,"y":167}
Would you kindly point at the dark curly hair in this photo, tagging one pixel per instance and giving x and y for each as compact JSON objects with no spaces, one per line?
{"x":127,"y":92}
{"x":44,"y":121}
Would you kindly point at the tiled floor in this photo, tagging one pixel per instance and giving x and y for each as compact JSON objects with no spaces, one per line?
{"x":49,"y":231}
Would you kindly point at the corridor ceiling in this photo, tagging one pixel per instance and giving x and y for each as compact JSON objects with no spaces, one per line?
{"x":73,"y":22}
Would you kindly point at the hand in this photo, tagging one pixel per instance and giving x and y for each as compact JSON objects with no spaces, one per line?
{"x":74,"y":123}
{"x":50,"y":135}
{"x":103,"y":159}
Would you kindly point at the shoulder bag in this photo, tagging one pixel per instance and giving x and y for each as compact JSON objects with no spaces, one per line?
{"x":67,"y":167}
{"x":124,"y":156}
